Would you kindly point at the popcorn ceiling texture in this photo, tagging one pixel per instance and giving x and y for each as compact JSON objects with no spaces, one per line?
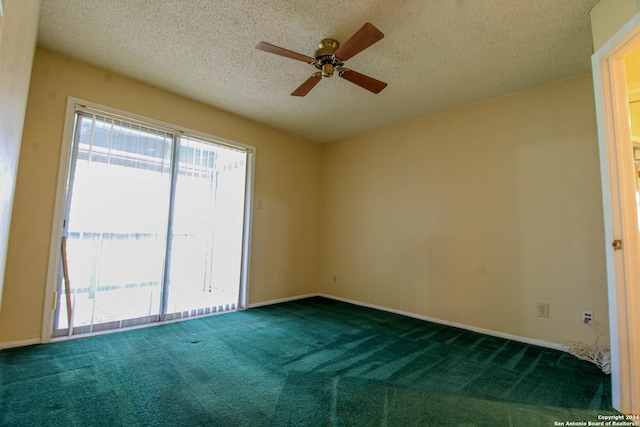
{"x":436,"y":55}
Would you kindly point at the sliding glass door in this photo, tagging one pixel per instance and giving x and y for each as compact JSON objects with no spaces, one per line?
{"x":153,"y":228}
{"x":206,"y":229}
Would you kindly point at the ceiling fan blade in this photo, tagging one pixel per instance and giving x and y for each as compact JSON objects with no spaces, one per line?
{"x":309,"y":84}
{"x":362,"y":39}
{"x":365,"y":82}
{"x":266,"y":47}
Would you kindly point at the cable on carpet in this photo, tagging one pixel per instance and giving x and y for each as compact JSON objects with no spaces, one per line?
{"x":601,"y":357}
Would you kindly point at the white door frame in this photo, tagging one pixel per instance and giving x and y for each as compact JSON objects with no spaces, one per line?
{"x":53,"y":269}
{"x":620,"y":213}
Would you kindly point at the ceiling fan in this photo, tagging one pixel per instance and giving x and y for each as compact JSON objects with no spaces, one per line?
{"x":331,"y":56}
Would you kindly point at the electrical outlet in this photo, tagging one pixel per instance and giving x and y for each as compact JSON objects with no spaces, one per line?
{"x":543,"y":309}
{"x":587,"y":317}
{"x":335,"y":279}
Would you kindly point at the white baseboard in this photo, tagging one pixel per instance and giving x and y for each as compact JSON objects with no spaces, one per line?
{"x":12,"y":344}
{"x":278,"y":301}
{"x":489,"y":332}
{"x":525,"y":340}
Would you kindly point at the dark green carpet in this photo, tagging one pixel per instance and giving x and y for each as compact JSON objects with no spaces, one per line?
{"x":314,"y":362}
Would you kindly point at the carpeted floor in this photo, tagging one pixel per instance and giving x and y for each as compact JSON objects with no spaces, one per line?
{"x":313,"y":362}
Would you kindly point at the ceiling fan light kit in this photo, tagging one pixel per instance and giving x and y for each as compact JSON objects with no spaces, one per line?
{"x":330,"y":57}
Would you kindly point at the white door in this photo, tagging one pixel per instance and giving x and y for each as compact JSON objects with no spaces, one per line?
{"x":621,"y":211}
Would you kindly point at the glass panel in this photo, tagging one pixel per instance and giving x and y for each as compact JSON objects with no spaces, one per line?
{"x":118,"y":210}
{"x":206,"y":239}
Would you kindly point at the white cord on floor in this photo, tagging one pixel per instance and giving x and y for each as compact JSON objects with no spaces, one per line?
{"x":600,"y":356}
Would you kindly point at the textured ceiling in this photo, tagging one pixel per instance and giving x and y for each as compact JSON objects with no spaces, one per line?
{"x":436,"y":54}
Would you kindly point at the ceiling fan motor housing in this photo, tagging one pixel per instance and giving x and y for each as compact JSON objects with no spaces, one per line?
{"x":325,"y":61}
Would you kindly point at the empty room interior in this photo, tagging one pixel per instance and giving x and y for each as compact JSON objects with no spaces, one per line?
{"x":280,"y":239}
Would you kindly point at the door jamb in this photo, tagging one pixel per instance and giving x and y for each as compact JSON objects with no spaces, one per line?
{"x":53,"y":266}
{"x":617,"y":178}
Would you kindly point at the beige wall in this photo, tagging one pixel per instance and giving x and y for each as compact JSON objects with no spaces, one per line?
{"x":470,"y":216}
{"x":632,"y":68}
{"x":634,"y":116}
{"x":474,"y":215}
{"x":18,"y":28}
{"x":608,"y":16}
{"x":285,"y":231}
